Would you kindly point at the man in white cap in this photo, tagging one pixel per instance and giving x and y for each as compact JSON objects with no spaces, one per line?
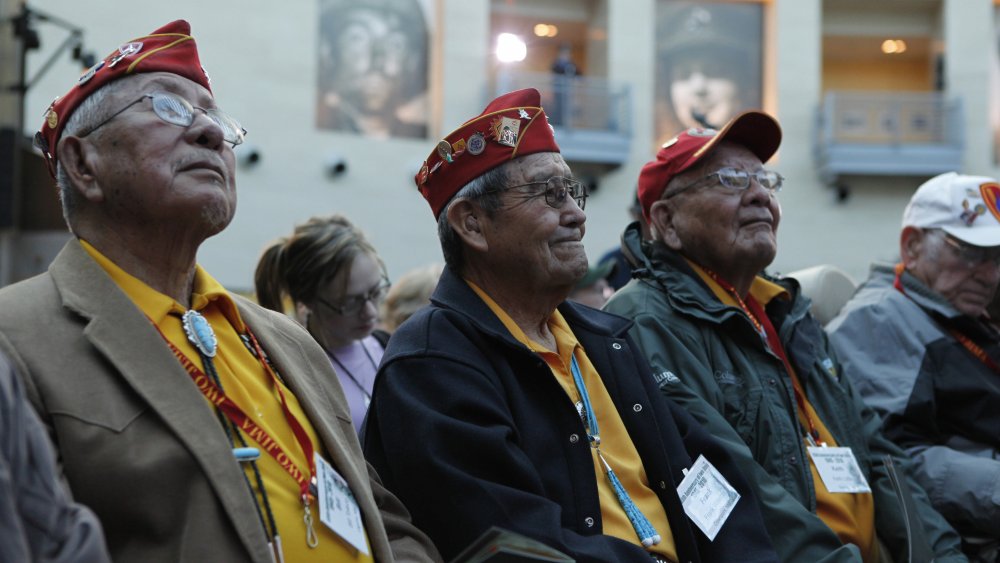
{"x":916,"y":342}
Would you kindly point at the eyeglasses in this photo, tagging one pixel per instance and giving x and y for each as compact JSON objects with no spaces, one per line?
{"x":736,"y":179}
{"x":177,"y":111}
{"x":352,"y":304}
{"x":557,"y":189}
{"x":973,"y":256}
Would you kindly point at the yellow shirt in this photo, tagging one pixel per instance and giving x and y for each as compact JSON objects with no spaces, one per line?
{"x":616,"y":445}
{"x":247,"y":383}
{"x":850,"y":515}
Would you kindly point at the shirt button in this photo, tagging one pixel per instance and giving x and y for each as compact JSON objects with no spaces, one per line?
{"x":589,"y":522}
{"x":574,"y":438}
{"x":772,"y":381}
{"x":616,"y":346}
{"x":637,"y":407}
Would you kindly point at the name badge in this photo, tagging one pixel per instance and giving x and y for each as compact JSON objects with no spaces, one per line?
{"x":707,"y":497}
{"x":338,"y":510}
{"x":839,"y":470}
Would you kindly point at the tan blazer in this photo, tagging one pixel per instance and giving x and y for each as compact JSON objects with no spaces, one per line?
{"x":137,"y":442}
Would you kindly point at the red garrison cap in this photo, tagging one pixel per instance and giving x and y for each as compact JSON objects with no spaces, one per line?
{"x":512,"y":125}
{"x":754,"y":130}
{"x":168,"y":49}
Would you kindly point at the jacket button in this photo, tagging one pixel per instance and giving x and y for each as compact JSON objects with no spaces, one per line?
{"x":589,"y":522}
{"x":663,"y":485}
{"x":616,"y":346}
{"x":574,"y":438}
{"x":792,"y":460}
{"x":637,"y":407}
{"x":772,"y":381}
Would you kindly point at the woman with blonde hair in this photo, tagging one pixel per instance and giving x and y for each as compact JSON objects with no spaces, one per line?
{"x":336,"y":281}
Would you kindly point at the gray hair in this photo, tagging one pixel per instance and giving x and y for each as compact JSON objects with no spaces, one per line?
{"x":88,"y":114}
{"x":486,"y":190}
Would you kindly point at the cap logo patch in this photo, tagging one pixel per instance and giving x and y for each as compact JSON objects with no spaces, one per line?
{"x":506,"y":130}
{"x":52,"y":118}
{"x":444,"y":150}
{"x":523,"y":114}
{"x":990,"y":192}
{"x":124,"y":51}
{"x":90,"y":73}
{"x":476,"y":144}
{"x":969,"y":216}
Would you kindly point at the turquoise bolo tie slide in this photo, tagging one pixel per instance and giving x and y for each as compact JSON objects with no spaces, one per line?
{"x":199,"y":333}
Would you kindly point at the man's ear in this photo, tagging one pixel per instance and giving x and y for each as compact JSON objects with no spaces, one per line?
{"x":79,"y":158}
{"x":662,"y":216}
{"x":464,"y":217}
{"x":912,"y":243}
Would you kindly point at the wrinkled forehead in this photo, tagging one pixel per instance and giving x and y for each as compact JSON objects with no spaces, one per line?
{"x":537,"y":166}
{"x":729,"y":154}
{"x":166,"y":82}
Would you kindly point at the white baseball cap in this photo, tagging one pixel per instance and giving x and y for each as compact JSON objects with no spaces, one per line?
{"x":965,"y":207}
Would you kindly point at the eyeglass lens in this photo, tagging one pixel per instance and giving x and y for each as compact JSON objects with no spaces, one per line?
{"x":355,"y":303}
{"x":973,"y":255}
{"x":178,"y":111}
{"x":740,"y":179}
{"x":557,"y":188}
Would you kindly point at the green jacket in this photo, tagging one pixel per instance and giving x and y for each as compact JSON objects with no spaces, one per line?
{"x":708,"y":357}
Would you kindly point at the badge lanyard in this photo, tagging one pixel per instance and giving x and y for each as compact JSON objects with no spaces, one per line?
{"x":200,"y":333}
{"x":643,"y":528}
{"x":758,"y":316}
{"x":973,"y":348}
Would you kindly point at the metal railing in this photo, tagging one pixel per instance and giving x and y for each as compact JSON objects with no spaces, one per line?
{"x":576,"y":102}
{"x":888,"y":133}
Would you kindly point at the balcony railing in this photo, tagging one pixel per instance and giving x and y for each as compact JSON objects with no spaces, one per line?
{"x":888,"y":133}
{"x":592,"y":117}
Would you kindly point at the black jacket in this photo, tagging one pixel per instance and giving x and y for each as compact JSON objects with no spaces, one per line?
{"x":471,"y":430}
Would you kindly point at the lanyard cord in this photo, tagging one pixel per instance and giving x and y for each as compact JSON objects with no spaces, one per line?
{"x":762,"y":323}
{"x":202,"y":337}
{"x":356,"y":381}
{"x":643,"y":528}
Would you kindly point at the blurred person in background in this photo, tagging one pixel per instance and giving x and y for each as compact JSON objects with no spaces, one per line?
{"x":593,"y":289}
{"x":336,"y":282}
{"x":408,"y":294}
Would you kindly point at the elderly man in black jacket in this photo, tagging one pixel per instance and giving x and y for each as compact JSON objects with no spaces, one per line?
{"x":502,"y":404}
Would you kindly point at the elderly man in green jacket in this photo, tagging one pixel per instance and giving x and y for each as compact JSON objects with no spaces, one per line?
{"x":741,"y":352}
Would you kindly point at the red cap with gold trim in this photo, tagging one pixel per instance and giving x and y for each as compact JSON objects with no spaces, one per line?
{"x":168,"y":49}
{"x":512,"y":125}
{"x":754,"y":130}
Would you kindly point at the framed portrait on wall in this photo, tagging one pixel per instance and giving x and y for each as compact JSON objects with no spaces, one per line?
{"x":373,"y":67}
{"x":709,"y":63}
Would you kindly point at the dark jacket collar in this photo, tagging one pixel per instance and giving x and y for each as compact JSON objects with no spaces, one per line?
{"x":454,"y":294}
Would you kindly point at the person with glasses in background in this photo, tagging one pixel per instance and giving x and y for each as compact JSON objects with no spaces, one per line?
{"x":503,"y":404}
{"x":917,"y":342}
{"x":336,"y":282}
{"x":739,"y":350}
{"x":197,"y":425}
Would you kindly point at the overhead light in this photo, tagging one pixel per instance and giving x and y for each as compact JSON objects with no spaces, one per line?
{"x":893,"y":46}
{"x":510,"y":48}
{"x":546,"y":30}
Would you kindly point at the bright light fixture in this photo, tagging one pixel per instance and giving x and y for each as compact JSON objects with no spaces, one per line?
{"x":893,"y":46}
{"x":510,"y":48}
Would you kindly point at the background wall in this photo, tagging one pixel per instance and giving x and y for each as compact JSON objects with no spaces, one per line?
{"x":262,"y":60}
